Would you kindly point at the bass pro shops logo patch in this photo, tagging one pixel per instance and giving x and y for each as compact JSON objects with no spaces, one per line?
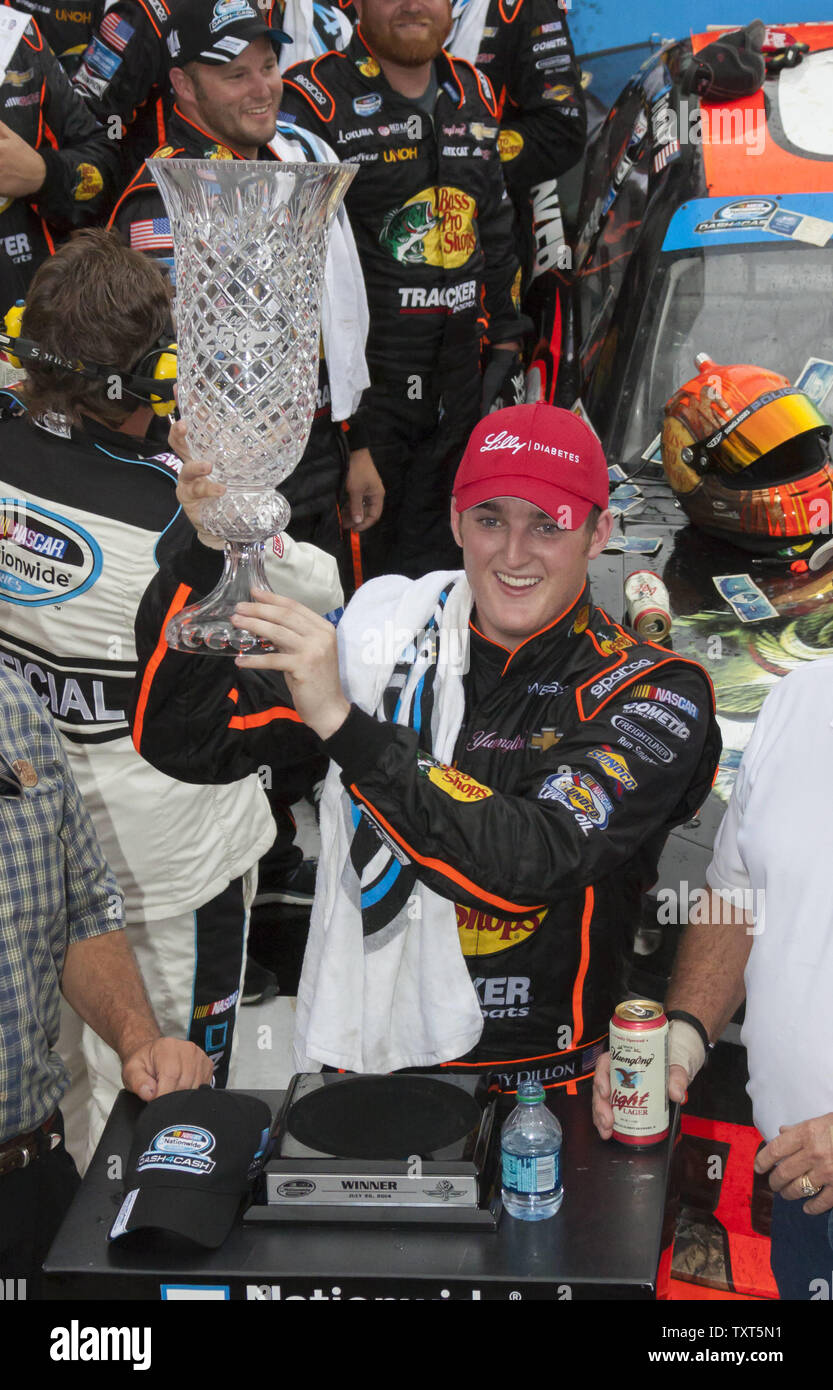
{"x":435,"y":227}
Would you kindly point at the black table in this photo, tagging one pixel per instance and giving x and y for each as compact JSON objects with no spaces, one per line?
{"x":605,"y":1241}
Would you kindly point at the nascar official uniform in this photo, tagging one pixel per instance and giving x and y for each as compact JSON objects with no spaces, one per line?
{"x":433,"y":228}
{"x":313,"y":489}
{"x":578,"y":752}
{"x":38,"y":104}
{"x":86,"y":517}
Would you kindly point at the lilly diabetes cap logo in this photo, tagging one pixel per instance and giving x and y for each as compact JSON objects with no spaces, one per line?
{"x":44,"y":558}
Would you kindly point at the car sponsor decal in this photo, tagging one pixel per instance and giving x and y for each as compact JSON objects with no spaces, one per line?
{"x":704,"y":222}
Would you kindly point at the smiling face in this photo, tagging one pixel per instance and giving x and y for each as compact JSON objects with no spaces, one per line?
{"x":524,"y":572}
{"x":236,"y":102}
{"x":407,"y":32}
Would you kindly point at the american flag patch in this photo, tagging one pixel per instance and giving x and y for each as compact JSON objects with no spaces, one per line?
{"x":665,"y":155}
{"x":153,"y":234}
{"x":117,"y":32}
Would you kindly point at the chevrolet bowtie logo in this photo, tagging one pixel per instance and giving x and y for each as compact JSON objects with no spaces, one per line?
{"x":547,"y":738}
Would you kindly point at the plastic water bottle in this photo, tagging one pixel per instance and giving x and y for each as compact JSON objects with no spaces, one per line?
{"x":530,"y":1149}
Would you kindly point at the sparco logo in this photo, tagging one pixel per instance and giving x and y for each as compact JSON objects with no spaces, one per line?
{"x":315,"y":92}
{"x":608,"y":683}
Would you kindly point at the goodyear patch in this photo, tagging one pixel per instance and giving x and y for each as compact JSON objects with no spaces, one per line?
{"x":217,"y":152}
{"x":89,"y":183}
{"x":509,"y":145}
{"x":615,"y":766}
{"x":482,"y":934}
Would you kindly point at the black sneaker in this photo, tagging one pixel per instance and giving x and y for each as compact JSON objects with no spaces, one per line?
{"x":259,"y":984}
{"x":298,"y":888}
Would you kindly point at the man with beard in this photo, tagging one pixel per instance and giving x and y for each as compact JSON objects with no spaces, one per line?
{"x":433,"y":228}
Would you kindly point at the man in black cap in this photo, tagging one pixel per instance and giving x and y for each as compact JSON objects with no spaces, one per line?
{"x":228,"y":94}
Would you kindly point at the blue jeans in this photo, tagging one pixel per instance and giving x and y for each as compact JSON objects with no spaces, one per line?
{"x":802,"y":1251}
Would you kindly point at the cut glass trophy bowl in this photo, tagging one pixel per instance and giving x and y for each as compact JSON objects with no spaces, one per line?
{"x":250,"y":244}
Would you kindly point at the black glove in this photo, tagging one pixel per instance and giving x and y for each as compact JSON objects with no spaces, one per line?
{"x":503,"y":381}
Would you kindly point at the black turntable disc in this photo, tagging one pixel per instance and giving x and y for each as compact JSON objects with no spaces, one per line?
{"x":383,"y":1117}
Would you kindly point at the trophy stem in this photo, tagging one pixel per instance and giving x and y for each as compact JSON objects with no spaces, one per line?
{"x":206,"y":627}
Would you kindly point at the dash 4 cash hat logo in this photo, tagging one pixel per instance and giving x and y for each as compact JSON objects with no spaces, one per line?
{"x":44,"y":558}
{"x":435,"y":227}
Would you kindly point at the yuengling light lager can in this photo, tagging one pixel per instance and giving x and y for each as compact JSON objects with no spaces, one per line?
{"x":639,"y":1072}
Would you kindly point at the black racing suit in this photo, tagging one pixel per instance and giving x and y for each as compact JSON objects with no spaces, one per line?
{"x":123,"y":75}
{"x":38,"y":104}
{"x":66,"y":27}
{"x":313,"y":489}
{"x":124,"y":71}
{"x":527,"y":55}
{"x":578,"y":752}
{"x":433,"y":228}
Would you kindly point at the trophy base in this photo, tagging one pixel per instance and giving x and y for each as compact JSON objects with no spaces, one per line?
{"x":205,"y":628}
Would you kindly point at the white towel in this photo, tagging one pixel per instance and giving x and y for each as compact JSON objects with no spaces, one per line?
{"x":344,"y":315}
{"x":402,"y":997}
{"x":296,"y":21}
{"x":468,"y":18}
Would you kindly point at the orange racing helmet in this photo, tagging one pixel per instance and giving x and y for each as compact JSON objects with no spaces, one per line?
{"x":746,"y":455}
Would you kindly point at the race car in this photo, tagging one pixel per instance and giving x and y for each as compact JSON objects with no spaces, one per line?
{"x":704,"y":227}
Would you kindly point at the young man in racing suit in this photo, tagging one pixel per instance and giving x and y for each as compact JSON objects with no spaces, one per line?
{"x":531,"y":795}
{"x":57,"y":167}
{"x":433,"y":228}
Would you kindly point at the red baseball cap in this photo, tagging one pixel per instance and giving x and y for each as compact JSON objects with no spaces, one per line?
{"x":539,"y":453}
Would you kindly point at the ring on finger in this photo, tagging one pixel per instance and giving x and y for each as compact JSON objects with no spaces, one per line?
{"x":808,"y":1188}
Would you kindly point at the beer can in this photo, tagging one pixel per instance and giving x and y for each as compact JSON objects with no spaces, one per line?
{"x":639,"y":1072}
{"x":649,"y":607}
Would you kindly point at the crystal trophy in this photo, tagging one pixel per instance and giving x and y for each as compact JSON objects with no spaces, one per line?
{"x":250,"y":243}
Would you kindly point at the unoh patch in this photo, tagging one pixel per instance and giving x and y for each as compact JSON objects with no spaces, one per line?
{"x":44,"y":558}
